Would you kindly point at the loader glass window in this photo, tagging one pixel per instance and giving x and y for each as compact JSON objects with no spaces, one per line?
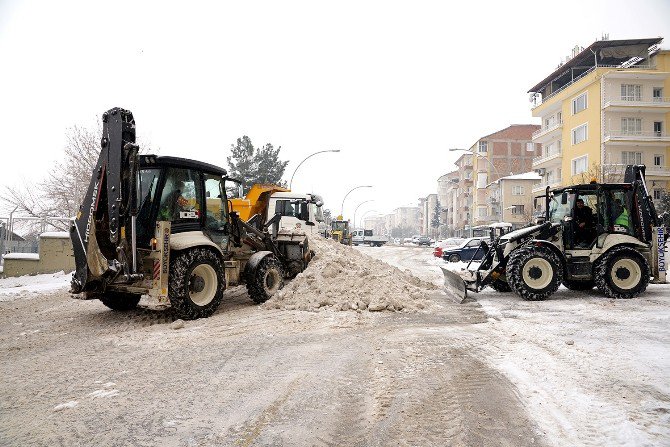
{"x":216,"y":206}
{"x":180,"y":200}
{"x":617,"y":218}
{"x":560,"y":206}
{"x":146,"y":192}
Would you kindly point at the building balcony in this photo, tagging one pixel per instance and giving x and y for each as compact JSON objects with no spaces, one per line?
{"x":612,"y":170}
{"x":540,"y":187}
{"x":548,"y":133}
{"x":637,"y":105}
{"x":545,"y":160}
{"x":639,"y":138}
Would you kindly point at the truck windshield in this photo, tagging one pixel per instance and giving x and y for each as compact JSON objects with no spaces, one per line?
{"x":339,"y":226}
{"x":290,"y":208}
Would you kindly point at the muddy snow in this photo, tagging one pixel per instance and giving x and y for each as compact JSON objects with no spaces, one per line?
{"x":344,"y":279}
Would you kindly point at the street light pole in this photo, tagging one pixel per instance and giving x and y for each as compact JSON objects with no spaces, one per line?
{"x":305,"y":159}
{"x":359,"y":205}
{"x":345,"y":196}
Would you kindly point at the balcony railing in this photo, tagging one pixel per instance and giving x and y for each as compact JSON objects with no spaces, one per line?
{"x":619,"y":169}
{"x":554,"y":93}
{"x":543,"y":185}
{"x":547,"y":157}
{"x":620,"y":135}
{"x":547,"y":129}
{"x":653,"y":103}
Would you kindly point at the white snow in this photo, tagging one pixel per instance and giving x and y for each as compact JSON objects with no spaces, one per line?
{"x":532,"y":175}
{"x":55,"y":235}
{"x":103,"y":393}
{"x":32,"y":256}
{"x":67,"y":405}
{"x":592,"y":371}
{"x":30,"y":286}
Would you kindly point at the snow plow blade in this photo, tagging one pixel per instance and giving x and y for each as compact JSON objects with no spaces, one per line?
{"x":454,"y":286}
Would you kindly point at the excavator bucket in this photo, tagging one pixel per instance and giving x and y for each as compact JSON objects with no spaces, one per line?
{"x":454,"y":286}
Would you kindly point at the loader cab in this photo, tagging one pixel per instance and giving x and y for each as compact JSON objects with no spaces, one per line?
{"x":586,"y":213}
{"x":189,"y":194}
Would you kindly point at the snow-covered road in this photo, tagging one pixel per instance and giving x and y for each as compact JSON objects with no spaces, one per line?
{"x":591,"y":371}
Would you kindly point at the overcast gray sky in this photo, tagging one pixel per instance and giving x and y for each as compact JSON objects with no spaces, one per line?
{"x":391,"y":84}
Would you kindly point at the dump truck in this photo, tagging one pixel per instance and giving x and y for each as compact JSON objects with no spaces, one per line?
{"x":604,"y":235}
{"x":162,"y":227}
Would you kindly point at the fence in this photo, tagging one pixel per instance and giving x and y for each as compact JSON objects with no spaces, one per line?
{"x":10,"y":242}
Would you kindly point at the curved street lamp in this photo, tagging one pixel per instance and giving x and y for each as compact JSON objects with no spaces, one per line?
{"x":305,"y":159}
{"x":345,"y":196}
{"x":359,"y":205}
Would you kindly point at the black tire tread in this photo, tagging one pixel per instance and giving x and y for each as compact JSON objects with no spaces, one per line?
{"x":256,"y":285}
{"x":602,"y":267}
{"x":120,"y":301}
{"x":181,"y":264}
{"x":515,"y":279}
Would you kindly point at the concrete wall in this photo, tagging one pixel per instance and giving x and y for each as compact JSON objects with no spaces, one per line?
{"x":55,"y":254}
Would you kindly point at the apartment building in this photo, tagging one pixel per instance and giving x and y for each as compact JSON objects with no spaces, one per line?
{"x":505,"y":152}
{"x":512,"y":196}
{"x":447,"y":193}
{"x":407,"y":217}
{"x":459,"y":196}
{"x":606,"y":107}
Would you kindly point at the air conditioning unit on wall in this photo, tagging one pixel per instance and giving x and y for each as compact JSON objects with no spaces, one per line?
{"x":541,"y":171}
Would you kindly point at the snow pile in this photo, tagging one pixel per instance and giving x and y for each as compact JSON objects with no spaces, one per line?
{"x":341,"y":278}
{"x":31,"y":286}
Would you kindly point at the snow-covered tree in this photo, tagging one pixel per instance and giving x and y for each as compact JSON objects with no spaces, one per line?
{"x":255,"y":165}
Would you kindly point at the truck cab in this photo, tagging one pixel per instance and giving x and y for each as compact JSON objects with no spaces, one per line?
{"x":297,"y":210}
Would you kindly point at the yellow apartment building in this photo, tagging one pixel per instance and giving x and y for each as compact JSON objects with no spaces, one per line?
{"x":606,"y":107}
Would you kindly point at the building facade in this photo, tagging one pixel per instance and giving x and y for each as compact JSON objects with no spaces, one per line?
{"x":606,"y":107}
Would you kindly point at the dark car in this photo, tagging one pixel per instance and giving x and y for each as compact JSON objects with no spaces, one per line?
{"x":465,"y":251}
{"x":423,"y":240}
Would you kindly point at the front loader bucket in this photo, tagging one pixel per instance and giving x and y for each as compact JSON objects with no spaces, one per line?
{"x":454,"y":286}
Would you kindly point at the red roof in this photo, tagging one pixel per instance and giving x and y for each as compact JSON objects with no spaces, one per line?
{"x":514,"y":132}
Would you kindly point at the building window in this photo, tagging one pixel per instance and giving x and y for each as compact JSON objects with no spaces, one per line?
{"x":517,"y":209}
{"x":657,"y":94}
{"x":483,"y":146}
{"x":579,"y":103}
{"x":631,"y":92}
{"x":631,"y":158}
{"x":658,"y":193}
{"x":482,"y":211}
{"x":580,"y":165}
{"x":517,"y":190}
{"x":631,"y":126}
{"x":579,"y":134}
{"x":659,"y":160}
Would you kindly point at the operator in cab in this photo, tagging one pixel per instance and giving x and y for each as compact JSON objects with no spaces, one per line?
{"x":584,"y":224}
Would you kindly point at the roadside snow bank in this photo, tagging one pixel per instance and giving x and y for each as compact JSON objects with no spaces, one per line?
{"x":30,"y":286}
{"x":341,"y":278}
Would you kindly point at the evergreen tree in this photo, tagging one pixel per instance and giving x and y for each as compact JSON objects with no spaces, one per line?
{"x":255,"y":165}
{"x":435,"y":221}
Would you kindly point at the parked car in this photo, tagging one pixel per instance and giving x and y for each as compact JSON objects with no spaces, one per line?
{"x":465,"y":251}
{"x":423,"y":240}
{"x":451,"y":242}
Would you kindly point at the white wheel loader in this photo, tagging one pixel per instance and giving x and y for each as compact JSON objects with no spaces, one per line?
{"x":163,"y":227}
{"x":594,"y":235}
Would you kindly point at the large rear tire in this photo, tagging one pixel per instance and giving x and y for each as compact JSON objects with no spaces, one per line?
{"x":579,"y":285}
{"x":266,"y":280}
{"x":534,"y":273}
{"x":120,"y":301}
{"x":622,"y":273}
{"x":196,"y":283}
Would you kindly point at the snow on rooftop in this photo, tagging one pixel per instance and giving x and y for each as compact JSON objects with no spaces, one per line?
{"x":32,"y":256}
{"x":532,"y":175}
{"x":55,"y":235}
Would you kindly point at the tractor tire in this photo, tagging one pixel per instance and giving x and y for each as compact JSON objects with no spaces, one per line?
{"x":500,"y":286}
{"x":120,"y":301}
{"x":622,"y":273}
{"x":454,"y":258}
{"x":268,"y":278}
{"x":196,"y":283}
{"x":579,"y":285}
{"x":534,"y":273}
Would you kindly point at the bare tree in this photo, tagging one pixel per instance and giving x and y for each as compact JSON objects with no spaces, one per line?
{"x":61,"y":191}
